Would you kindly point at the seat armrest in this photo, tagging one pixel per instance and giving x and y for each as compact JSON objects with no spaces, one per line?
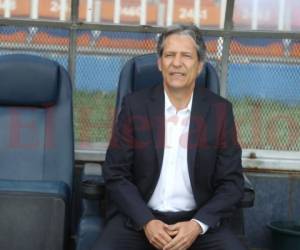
{"x":92,"y":189}
{"x":249,"y":194}
{"x":92,"y":206}
{"x":92,"y":182}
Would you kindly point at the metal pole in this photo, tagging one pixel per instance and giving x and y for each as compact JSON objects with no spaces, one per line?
{"x":197,"y":11}
{"x":288,"y":18}
{"x":89,"y":10}
{"x":281,"y":9}
{"x":222,"y":13}
{"x":117,"y":11}
{"x":63,"y":10}
{"x":7,"y":8}
{"x":161,"y":14}
{"x":143,"y":12}
{"x":34,"y":9}
{"x":226,"y":46}
{"x":97,"y":11}
{"x":254,"y":14}
{"x":170,"y":8}
{"x":73,"y":36}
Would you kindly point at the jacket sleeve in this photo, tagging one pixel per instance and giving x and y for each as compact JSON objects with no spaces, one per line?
{"x":117,"y":170}
{"x":228,"y":178}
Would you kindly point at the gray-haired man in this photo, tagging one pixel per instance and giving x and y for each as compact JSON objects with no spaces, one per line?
{"x":180,"y":198}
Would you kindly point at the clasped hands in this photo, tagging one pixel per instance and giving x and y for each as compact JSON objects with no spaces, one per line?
{"x":179,"y":236}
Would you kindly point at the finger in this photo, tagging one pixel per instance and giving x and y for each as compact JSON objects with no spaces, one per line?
{"x":153,"y":240}
{"x":165,"y":238}
{"x":173,"y":233}
{"x":183,"y":244}
{"x":173,"y":244}
{"x":173,"y":227}
{"x":156,"y":243}
{"x":162,"y":239}
{"x":180,"y":245}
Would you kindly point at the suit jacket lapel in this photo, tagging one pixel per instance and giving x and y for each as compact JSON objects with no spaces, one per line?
{"x":200,"y":109}
{"x":156,"y":113}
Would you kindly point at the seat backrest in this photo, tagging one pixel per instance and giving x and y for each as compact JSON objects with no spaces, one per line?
{"x":36,"y":128}
{"x":142,"y":71}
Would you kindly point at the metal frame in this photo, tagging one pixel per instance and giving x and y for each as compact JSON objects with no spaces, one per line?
{"x":279,"y":160}
{"x":253,"y":160}
{"x":226,"y":46}
{"x":76,"y":25}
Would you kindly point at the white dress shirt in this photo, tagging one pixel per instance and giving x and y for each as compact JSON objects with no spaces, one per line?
{"x":173,"y":191}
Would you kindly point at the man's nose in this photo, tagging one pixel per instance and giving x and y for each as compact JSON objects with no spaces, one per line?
{"x":177,"y":60}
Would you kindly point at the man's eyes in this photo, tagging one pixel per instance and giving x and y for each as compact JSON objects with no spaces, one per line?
{"x":187,"y":55}
{"x":184,"y":55}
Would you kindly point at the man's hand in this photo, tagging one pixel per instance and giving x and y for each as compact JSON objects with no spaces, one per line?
{"x":156,"y":233}
{"x":186,"y":233}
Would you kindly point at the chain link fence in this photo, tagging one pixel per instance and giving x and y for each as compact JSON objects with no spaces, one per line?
{"x":264,"y":87}
{"x":45,"y":42}
{"x":98,"y":65}
{"x":262,"y":79}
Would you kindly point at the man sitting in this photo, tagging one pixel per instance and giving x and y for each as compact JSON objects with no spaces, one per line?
{"x":173,"y":167}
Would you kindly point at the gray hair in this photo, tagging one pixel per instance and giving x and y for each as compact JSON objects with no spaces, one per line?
{"x":188,"y":30}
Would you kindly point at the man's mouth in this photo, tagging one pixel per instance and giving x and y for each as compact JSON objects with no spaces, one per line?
{"x":177,"y":74}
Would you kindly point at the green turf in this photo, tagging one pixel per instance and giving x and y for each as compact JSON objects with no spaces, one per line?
{"x":261,"y":124}
{"x":267,"y":125}
{"x":93,"y":116}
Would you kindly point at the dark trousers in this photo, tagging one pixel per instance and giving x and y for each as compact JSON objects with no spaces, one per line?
{"x":120,"y":234}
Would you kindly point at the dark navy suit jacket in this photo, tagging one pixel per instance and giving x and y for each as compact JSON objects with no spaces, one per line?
{"x":134,"y":157}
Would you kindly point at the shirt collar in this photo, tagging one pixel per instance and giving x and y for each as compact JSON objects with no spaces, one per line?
{"x":169,"y":106}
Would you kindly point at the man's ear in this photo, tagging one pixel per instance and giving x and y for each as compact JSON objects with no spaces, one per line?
{"x":159,"y":63}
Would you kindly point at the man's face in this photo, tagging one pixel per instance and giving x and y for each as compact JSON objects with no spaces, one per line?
{"x":179,"y":63}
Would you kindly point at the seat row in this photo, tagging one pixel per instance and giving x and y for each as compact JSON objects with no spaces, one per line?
{"x":37,"y":154}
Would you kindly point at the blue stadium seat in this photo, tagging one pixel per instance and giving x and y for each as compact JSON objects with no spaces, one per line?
{"x":36,"y":153}
{"x":142,"y":71}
